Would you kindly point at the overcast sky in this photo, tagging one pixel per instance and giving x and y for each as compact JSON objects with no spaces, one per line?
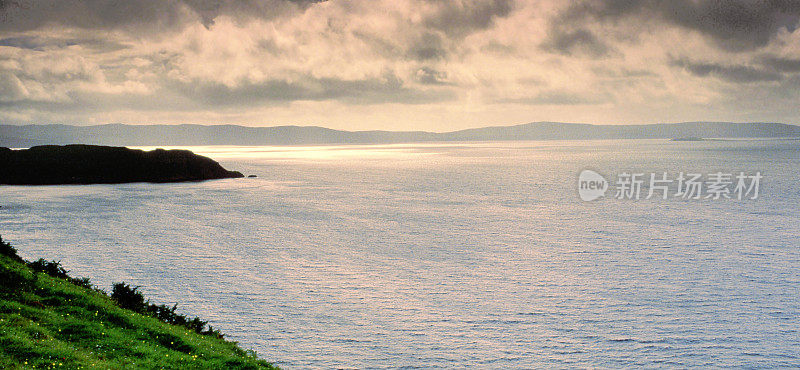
{"x":390,"y":64}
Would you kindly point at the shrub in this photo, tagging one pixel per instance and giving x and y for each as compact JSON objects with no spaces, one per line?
{"x":7,"y":250}
{"x":128,"y":297}
{"x":15,"y":281}
{"x":82,"y":282}
{"x":196,"y":325}
{"x":213,"y":332}
{"x":52,"y":268}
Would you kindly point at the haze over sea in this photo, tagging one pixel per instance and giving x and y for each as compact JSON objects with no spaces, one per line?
{"x":451,"y":255}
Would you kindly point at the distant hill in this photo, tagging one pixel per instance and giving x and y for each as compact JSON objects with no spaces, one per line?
{"x":154,"y":135}
{"x":91,"y":164}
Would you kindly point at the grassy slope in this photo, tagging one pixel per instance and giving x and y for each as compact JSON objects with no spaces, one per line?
{"x":48,"y":322}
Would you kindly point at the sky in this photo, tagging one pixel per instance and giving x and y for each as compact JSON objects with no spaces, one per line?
{"x":432,"y":65}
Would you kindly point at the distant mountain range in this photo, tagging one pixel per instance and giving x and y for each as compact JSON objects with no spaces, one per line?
{"x":183,"y":135}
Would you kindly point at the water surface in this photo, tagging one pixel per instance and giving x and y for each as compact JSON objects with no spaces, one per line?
{"x":450,"y":255}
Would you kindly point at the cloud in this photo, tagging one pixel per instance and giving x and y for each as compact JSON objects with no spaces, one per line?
{"x":781,"y":64}
{"x":431,"y":76}
{"x":572,"y":42}
{"x":11,"y":88}
{"x":244,"y":10}
{"x":734,"y":25}
{"x":448,"y":63}
{"x":558,"y":98}
{"x":142,"y":15}
{"x":40,"y":43}
{"x":732,"y":73}
{"x":148,"y":16}
{"x":381,"y":89}
{"x":429,"y":46}
{"x":463,"y":17}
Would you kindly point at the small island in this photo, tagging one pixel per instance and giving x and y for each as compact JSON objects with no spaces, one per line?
{"x":688,"y":138}
{"x":94,"y":164}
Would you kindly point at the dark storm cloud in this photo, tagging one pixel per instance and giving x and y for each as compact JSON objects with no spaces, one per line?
{"x":140,"y":15}
{"x":731,"y":73}
{"x":91,"y":14}
{"x":455,"y":19}
{"x":245,"y":9}
{"x":732,"y":24}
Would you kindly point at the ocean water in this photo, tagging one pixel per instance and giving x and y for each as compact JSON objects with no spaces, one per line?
{"x":451,"y":255}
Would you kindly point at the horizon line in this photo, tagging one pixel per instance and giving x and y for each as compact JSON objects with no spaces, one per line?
{"x":391,"y":131}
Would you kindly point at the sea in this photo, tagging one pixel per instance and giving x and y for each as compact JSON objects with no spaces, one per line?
{"x":460,"y":254}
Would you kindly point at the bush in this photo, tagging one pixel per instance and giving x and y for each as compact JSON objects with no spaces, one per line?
{"x":7,"y":250}
{"x":52,"y":268}
{"x":128,"y":297}
{"x":82,"y":282}
{"x":196,"y":325}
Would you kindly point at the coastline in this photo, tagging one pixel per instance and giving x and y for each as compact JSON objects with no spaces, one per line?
{"x":94,"y":164}
{"x":50,"y":320}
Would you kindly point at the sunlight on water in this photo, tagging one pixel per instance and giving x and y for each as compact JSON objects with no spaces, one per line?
{"x":337,"y":152}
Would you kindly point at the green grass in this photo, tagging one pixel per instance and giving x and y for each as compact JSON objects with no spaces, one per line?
{"x":51,"y":322}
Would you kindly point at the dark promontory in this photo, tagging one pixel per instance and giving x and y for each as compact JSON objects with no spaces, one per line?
{"x":93,"y":164}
